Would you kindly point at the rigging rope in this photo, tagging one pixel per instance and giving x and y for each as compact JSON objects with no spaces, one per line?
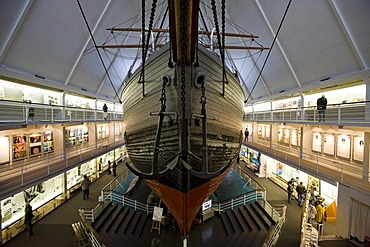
{"x":268,"y":54}
{"x":97,"y":50}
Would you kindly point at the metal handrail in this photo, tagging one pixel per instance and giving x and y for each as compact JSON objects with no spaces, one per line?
{"x":345,"y":170}
{"x":352,"y":113}
{"x":274,"y":234}
{"x":19,"y":112}
{"x":27,"y":171}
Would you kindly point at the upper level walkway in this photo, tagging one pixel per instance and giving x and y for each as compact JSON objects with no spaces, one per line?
{"x":21,"y":175}
{"x":344,"y":114}
{"x":324,"y":167}
{"x":14,"y":114}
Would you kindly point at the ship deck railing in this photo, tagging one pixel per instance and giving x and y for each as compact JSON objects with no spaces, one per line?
{"x":343,"y":114}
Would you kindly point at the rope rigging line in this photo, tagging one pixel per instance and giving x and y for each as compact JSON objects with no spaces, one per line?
{"x":268,"y":54}
{"x":97,"y":50}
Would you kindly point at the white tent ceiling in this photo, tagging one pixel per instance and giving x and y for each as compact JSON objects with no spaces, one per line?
{"x":319,"y":39}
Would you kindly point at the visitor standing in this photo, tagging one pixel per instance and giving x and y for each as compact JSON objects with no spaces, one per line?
{"x":85,"y":185}
{"x":28,"y":216}
{"x":108,"y":167}
{"x":290,"y":190}
{"x":114,"y":168}
{"x":246,"y":134}
{"x":321,"y":107}
{"x":105,"y":110}
{"x":311,"y":212}
{"x":301,"y":190}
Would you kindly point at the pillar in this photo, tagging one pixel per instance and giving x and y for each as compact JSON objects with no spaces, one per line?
{"x":366,"y":162}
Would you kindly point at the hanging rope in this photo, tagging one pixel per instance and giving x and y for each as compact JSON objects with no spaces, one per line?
{"x":268,"y":54}
{"x":97,"y":50}
{"x":142,"y":78}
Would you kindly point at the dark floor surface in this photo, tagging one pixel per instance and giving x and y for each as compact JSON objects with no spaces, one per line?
{"x":55,"y":229}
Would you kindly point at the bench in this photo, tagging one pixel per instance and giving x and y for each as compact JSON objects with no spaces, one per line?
{"x":80,"y":234}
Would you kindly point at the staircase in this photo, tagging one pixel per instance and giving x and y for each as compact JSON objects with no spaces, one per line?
{"x":247,"y":225}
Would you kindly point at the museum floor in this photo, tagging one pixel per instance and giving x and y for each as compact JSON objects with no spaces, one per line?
{"x":55,"y":229}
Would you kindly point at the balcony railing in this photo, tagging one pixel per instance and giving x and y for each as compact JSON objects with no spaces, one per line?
{"x":25,"y":113}
{"x":332,"y":168}
{"x":352,"y":114}
{"x":22,"y":174}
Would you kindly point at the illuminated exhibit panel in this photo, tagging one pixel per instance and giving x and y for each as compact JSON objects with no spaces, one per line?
{"x":329,"y":144}
{"x":316,"y":142}
{"x":358,"y":148}
{"x":344,"y":146}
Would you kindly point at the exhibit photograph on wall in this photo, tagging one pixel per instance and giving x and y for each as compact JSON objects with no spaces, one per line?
{"x":316,"y":142}
{"x":358,"y":148}
{"x":19,"y":147}
{"x":344,"y":146}
{"x":35,"y":144}
{"x":329,"y":144}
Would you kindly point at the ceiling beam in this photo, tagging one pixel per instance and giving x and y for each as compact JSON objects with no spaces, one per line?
{"x":347,"y":33}
{"x":18,"y":23}
{"x":279,"y":44}
{"x":74,"y":66}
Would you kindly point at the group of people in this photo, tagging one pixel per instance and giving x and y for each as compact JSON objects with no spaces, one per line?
{"x":315,"y":209}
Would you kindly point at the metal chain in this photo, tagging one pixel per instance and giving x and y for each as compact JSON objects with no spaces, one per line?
{"x":163,"y":98}
{"x":220,"y":47}
{"x":151,"y":20}
{"x":223,"y":41}
{"x":142,"y":42}
{"x":182,"y":64}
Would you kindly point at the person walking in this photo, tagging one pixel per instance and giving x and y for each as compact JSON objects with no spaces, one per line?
{"x":301,"y":190}
{"x":114,"y":168}
{"x":321,"y":107}
{"x":28,"y":216}
{"x":246,"y":134}
{"x":85,"y":185}
{"x":108,"y":168}
{"x":290,"y":190}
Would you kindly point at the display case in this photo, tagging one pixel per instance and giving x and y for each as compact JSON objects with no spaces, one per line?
{"x":71,"y":138}
{"x":85,"y":135}
{"x":103,"y":131}
{"x":280,"y":135}
{"x":19,"y":147}
{"x":76,"y":136}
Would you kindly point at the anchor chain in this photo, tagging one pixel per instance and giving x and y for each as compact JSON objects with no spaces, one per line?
{"x":220,"y":45}
{"x":182,"y":71}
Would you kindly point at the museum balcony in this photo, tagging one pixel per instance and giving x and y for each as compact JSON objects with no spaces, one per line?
{"x":343,"y":114}
{"x":16,"y":114}
{"x":329,"y":168}
{"x":22,"y":174}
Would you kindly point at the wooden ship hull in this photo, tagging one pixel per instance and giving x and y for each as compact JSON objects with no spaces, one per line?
{"x":183,"y":170}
